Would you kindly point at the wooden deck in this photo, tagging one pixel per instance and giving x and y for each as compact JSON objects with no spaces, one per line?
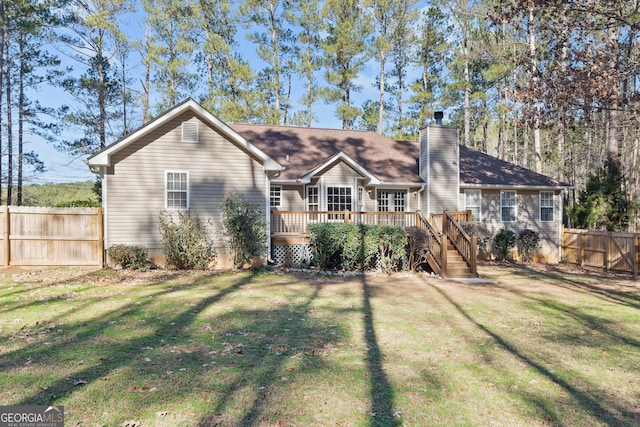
{"x":452,"y":253}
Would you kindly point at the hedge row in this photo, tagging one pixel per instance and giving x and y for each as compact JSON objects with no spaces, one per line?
{"x":357,"y":247}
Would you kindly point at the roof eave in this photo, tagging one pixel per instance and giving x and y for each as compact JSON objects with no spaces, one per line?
{"x":515,"y":186}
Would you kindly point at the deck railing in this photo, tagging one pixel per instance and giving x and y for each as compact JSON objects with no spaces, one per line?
{"x":295,"y":223}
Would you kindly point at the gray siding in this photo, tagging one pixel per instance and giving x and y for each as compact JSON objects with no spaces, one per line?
{"x":528,"y":217}
{"x":439,"y":167}
{"x":135,"y":183}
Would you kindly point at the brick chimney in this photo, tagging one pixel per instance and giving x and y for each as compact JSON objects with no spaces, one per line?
{"x":440,"y":166}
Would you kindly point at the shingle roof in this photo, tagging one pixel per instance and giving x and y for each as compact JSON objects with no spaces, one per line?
{"x":389,"y":160}
{"x":478,"y":168}
{"x":308,"y":148}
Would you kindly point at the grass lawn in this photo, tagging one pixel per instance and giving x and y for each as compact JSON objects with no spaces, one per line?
{"x":541,"y":345}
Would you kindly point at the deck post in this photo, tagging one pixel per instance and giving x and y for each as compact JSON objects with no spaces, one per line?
{"x":7,"y":234}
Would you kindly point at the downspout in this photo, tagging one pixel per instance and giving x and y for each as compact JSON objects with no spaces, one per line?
{"x":420,"y":191}
{"x":105,"y":214}
{"x":560,"y":216}
{"x":267,"y":193}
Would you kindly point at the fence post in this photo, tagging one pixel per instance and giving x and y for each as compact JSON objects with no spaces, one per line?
{"x":636,"y":254}
{"x":607,"y":249}
{"x":101,"y":250}
{"x":7,"y":233}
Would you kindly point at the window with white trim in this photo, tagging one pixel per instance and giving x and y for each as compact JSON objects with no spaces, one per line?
{"x":361,"y":199}
{"x":508,"y":204}
{"x":177,"y":190}
{"x":313,"y":198}
{"x":313,"y":201}
{"x":473,"y":203}
{"x":339,"y":199}
{"x":275,"y":196}
{"x":190,"y":132}
{"x":546,"y":206}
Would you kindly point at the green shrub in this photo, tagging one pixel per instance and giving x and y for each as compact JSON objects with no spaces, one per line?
{"x":483,"y":235}
{"x":504,"y":241}
{"x":393,"y":247}
{"x":87,"y":203}
{"x":356,"y":247}
{"x":130,"y":257}
{"x":244,"y":228}
{"x":186,"y":244}
{"x":528,"y":244}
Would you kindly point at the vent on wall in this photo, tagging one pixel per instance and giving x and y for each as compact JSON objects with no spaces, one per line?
{"x":189,"y":132}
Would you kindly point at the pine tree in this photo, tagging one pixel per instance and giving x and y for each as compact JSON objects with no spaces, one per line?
{"x":345,"y":53}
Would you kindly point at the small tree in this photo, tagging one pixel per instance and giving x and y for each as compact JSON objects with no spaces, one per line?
{"x":528,"y":243}
{"x":504,"y":241}
{"x":186,"y":244}
{"x":244,"y":228}
{"x":604,"y":204}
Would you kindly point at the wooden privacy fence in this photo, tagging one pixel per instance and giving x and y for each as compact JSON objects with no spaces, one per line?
{"x":603,"y":249}
{"x":34,"y":236}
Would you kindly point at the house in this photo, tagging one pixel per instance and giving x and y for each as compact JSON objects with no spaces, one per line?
{"x":189,"y":159}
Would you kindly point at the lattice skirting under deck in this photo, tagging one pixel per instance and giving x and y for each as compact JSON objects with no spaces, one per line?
{"x":291,"y":255}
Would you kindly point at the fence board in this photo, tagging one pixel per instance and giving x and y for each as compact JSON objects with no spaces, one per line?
{"x":601,"y":249}
{"x":33,"y":236}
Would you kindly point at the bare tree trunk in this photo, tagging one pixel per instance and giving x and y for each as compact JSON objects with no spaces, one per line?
{"x":9,"y":125}
{"x":20,"y":120}
{"x":537,"y":150}
{"x":3,"y":37}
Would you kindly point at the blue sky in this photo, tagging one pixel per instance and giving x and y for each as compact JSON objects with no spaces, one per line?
{"x":63,"y":168}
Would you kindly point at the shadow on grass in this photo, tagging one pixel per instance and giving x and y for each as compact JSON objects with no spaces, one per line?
{"x":115,"y":356}
{"x":270,"y":349}
{"x":579,"y":282}
{"x":609,"y":412}
{"x":382,"y":394}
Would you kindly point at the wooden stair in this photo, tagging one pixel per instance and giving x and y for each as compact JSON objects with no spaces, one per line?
{"x":457,"y":267}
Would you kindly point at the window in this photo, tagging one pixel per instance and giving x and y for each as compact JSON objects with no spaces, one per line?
{"x":313,"y":201}
{"x":472,"y":202}
{"x":177,"y":190}
{"x":339,"y":199}
{"x":190,"y":132}
{"x":392,"y":201}
{"x":313,"y":198}
{"x":275,"y":197}
{"x":546,"y":206}
{"x":508,"y":203}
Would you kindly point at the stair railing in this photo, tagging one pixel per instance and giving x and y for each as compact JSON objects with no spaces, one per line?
{"x":437,"y":250}
{"x":466,"y":245}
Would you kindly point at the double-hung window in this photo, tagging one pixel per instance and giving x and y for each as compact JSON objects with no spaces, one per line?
{"x":275,"y":196}
{"x":472,"y":202}
{"x":177,"y":190}
{"x":313,"y":201}
{"x":546,"y":206}
{"x":508,"y":204}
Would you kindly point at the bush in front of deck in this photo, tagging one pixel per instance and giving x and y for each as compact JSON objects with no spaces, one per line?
{"x":357,"y":247}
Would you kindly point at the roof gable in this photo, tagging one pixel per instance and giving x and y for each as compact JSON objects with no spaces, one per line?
{"x":305,"y":150}
{"x":103,"y":157}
